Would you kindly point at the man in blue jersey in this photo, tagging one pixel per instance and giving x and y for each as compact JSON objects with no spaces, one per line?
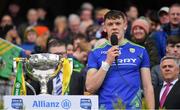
{"x":122,"y":80}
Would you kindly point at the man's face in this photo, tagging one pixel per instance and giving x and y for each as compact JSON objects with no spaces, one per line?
{"x":6,"y":20}
{"x":31,"y":36}
{"x":174,"y":15}
{"x":164,"y":18}
{"x":169,"y":70}
{"x":32,"y":16}
{"x":173,"y":50}
{"x":74,"y":26}
{"x":83,"y":56}
{"x":86,"y":15}
{"x":59,"y":50}
{"x":115,"y":26}
{"x":77,"y":41}
{"x":70,"y":49}
{"x":133,"y":13}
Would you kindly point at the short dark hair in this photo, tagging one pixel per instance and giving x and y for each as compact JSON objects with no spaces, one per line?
{"x":79,"y":36}
{"x":129,"y":5}
{"x":84,"y":46}
{"x":54,"y":42}
{"x":173,"y":40}
{"x":114,"y":14}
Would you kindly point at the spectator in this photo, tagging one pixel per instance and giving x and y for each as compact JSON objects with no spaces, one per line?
{"x":74,"y":25}
{"x":61,"y":29}
{"x":172,"y":49}
{"x":32,"y":20}
{"x":132,"y":14}
{"x":86,"y":20}
{"x":167,"y":95}
{"x":163,"y":15}
{"x":30,"y":43}
{"x":43,"y":34}
{"x":153,"y":19}
{"x":12,"y":36}
{"x":6,"y":24}
{"x":14,"y":11}
{"x":99,"y":15}
{"x":140,"y":35}
{"x":171,"y":29}
{"x":93,"y":33}
{"x":76,"y":85}
{"x":79,"y":62}
{"x":42,"y":16}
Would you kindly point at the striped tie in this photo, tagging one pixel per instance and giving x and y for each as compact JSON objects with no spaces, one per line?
{"x":58,"y":87}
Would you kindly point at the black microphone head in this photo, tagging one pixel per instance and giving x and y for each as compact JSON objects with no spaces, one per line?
{"x":114,"y":39}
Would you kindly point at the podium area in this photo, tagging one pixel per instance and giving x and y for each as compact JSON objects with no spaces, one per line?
{"x":49,"y":102}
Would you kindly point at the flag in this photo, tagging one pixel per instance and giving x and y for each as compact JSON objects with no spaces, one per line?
{"x":7,"y":52}
{"x":67,"y":71}
{"x":19,"y":84}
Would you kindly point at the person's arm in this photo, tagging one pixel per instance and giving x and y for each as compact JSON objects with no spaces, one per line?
{"x":147,"y":87}
{"x":154,"y":77}
{"x":96,"y":77}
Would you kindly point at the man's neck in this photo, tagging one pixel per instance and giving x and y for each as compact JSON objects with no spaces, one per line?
{"x":174,"y":26}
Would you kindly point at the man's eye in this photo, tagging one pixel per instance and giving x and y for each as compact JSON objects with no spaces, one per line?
{"x":178,"y":46}
{"x":110,"y":24}
{"x":118,"y":23}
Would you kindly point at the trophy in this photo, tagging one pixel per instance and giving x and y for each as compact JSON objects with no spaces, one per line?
{"x":42,"y":67}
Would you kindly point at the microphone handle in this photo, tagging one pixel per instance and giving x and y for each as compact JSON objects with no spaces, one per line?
{"x":116,"y":60}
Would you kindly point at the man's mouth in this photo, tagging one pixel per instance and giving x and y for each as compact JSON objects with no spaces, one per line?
{"x":115,"y":33}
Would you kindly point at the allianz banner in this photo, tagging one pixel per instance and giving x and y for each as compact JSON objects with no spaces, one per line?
{"x":48,"y":102}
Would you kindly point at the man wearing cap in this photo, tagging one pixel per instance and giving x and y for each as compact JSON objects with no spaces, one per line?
{"x":163,"y":15}
{"x":170,"y":29}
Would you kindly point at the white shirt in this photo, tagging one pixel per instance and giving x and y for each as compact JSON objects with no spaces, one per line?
{"x":164,"y":87}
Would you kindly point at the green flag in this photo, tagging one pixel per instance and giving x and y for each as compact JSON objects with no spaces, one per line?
{"x":7,"y":52}
{"x":19,"y":85}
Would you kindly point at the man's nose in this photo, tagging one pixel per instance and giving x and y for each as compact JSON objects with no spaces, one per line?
{"x":175,"y":49}
{"x":167,"y":69}
{"x":114,"y":26}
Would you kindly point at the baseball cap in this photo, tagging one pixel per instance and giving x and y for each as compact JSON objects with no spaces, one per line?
{"x":163,"y":9}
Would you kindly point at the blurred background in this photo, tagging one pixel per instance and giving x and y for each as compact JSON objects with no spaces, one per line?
{"x":65,"y":7}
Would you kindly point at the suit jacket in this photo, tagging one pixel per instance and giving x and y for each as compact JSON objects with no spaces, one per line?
{"x":76,"y":86}
{"x":173,"y":98}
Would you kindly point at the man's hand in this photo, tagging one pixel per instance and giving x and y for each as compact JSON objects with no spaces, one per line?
{"x":27,"y":52}
{"x":111,"y":54}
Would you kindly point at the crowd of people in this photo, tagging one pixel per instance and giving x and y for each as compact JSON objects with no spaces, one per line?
{"x":147,"y":54}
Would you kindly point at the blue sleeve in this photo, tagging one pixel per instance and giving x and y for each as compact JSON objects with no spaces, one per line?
{"x":145,"y":59}
{"x":92,"y":61}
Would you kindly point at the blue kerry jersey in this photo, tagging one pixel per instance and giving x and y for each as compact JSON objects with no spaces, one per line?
{"x":122,"y":81}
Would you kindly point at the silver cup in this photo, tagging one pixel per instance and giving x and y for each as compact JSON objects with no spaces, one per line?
{"x":42,"y":68}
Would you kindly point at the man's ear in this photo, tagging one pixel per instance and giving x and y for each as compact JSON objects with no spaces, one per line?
{"x":167,"y":50}
{"x":125,"y":27}
{"x":104,"y":29}
{"x":126,"y":24}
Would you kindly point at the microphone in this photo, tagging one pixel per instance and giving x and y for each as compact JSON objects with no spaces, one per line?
{"x":114,"y":41}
